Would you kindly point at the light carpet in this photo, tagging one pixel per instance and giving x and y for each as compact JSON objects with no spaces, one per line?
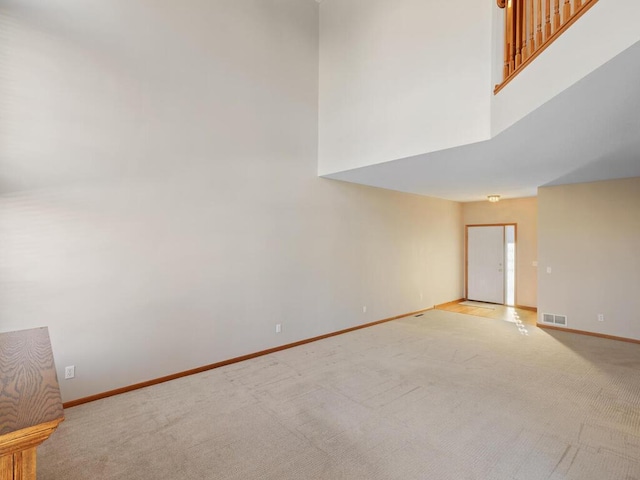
{"x":442,"y":396}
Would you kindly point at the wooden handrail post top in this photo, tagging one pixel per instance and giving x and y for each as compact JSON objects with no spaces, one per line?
{"x":30,"y":403}
{"x":27,"y":437}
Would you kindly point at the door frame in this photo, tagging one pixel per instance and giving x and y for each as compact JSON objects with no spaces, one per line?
{"x":466,"y":257}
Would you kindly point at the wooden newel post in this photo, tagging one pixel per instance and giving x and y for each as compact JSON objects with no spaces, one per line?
{"x":30,"y":403}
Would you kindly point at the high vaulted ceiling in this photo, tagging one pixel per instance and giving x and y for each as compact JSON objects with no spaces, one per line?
{"x":589,"y":132}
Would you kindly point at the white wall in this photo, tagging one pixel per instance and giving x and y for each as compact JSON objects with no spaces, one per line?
{"x":589,"y":235}
{"x":160,"y":208}
{"x":524,"y":213}
{"x":400,"y":78}
{"x":608,"y":28}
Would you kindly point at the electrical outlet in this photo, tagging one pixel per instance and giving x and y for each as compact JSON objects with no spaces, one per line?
{"x":278,"y":327}
{"x":69,"y":372}
{"x":548,"y":269}
{"x":601,"y":317}
{"x":364,"y":309}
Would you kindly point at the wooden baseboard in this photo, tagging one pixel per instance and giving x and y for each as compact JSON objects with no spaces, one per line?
{"x":455,"y":302}
{"x":524,"y":307}
{"x":591,"y":334}
{"x":156,"y":381}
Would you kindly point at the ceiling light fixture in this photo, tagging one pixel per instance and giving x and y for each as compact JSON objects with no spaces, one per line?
{"x":493,"y":198}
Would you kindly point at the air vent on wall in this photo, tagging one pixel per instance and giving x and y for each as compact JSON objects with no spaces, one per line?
{"x":553,"y":319}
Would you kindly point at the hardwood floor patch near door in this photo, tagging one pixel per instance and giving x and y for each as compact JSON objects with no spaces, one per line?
{"x":471,"y":303}
{"x":499,"y":312}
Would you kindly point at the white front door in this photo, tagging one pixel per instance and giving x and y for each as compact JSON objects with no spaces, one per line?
{"x":485,"y":264}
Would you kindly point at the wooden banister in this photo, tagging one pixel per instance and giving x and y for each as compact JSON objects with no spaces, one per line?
{"x":525,"y":36}
{"x":30,"y":404}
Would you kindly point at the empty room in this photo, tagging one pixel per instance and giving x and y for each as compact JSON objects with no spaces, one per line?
{"x":319,"y":239}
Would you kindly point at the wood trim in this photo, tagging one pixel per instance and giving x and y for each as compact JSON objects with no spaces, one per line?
{"x":6,"y":466}
{"x":242,"y":358}
{"x":30,"y":394}
{"x":548,"y":41}
{"x":30,"y":403}
{"x":524,"y":307}
{"x":27,"y":438}
{"x":590,"y":334}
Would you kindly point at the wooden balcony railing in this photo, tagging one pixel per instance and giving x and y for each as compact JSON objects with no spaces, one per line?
{"x":533,"y":25}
